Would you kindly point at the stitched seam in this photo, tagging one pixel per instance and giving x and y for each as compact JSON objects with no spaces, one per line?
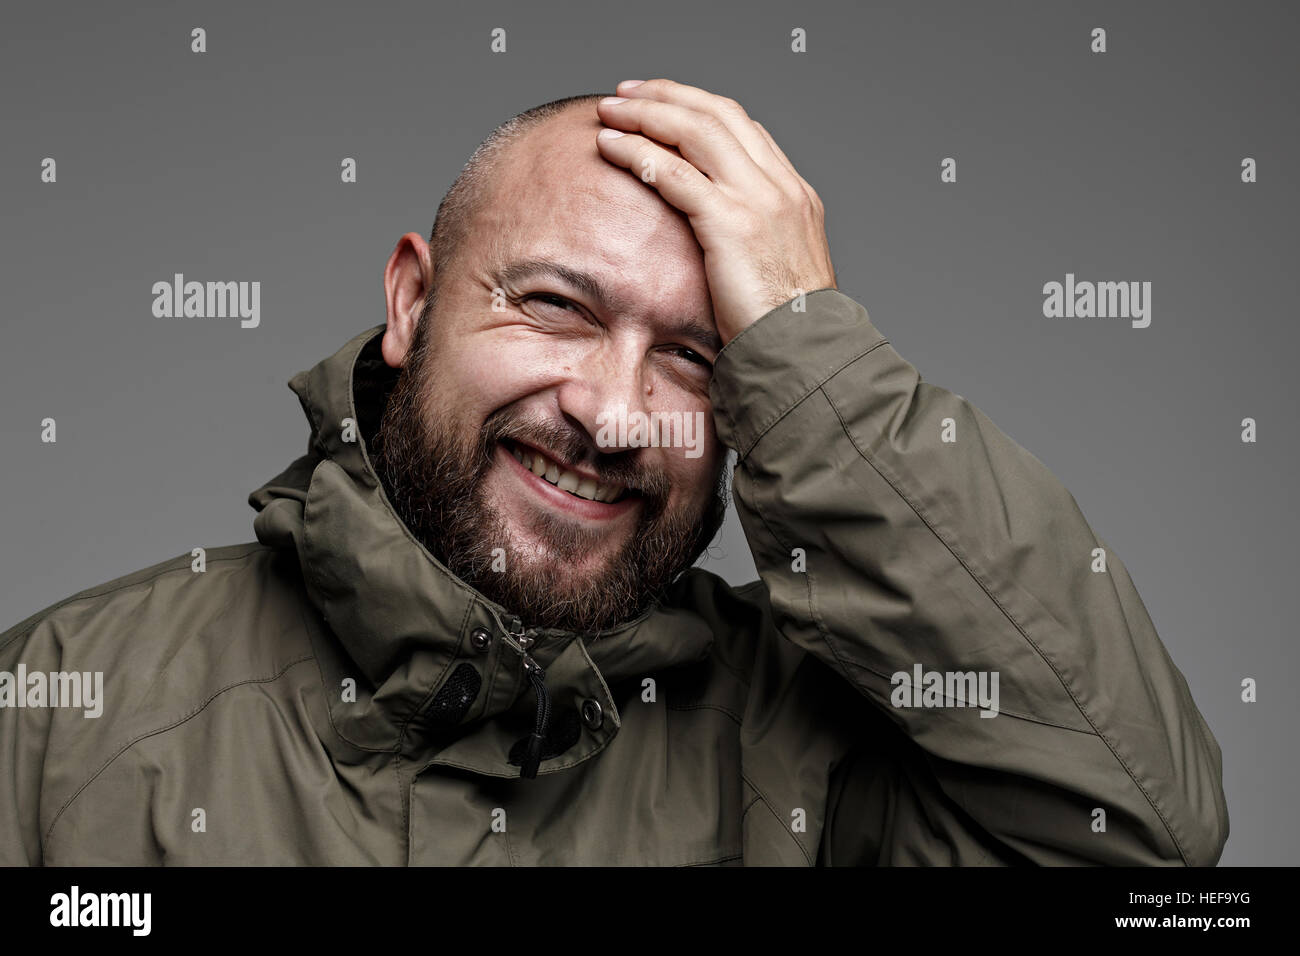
{"x":405,"y":796}
{"x":1001,"y":710}
{"x":553,"y":767}
{"x":720,"y":709}
{"x":316,"y":421}
{"x":325,"y":691}
{"x":45,"y":615}
{"x":492,"y":668}
{"x":779,"y":822}
{"x":744,"y":592}
{"x":510,"y":850}
{"x":255,"y":680}
{"x":721,"y":859}
{"x":352,"y":405}
{"x":1016,"y":624}
{"x":399,"y":729}
{"x":847,"y":663}
{"x":473,"y":769}
{"x":437,"y":682}
{"x":812,"y":604}
{"x":745,"y":331}
{"x":763,"y":430}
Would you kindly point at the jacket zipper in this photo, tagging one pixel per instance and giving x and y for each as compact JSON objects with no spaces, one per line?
{"x":522,"y":639}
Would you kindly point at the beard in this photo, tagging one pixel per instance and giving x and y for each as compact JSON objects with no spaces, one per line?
{"x":433,"y":472}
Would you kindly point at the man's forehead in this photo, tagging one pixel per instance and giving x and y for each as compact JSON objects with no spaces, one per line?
{"x":554,"y":181}
{"x":558,"y":157}
{"x":555,"y":198}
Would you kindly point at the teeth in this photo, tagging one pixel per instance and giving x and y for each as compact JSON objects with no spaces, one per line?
{"x":565,"y":480}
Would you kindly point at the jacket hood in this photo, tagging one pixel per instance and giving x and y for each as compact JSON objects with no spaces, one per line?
{"x":410,"y":634}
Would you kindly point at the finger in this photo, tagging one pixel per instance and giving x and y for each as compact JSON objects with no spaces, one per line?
{"x":776,"y":150}
{"x":730,"y":112}
{"x":785,"y":161}
{"x":676,"y":179}
{"x":704,"y":140}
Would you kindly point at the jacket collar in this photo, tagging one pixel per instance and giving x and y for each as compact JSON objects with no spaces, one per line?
{"x":402,"y":628}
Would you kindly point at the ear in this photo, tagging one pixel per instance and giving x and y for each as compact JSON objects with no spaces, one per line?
{"x":407,"y":280}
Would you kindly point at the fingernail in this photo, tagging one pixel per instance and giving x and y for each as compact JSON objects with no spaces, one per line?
{"x":611,"y":100}
{"x":609,"y":134}
{"x":631,"y":83}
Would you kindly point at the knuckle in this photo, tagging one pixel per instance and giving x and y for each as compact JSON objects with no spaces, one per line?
{"x":728,"y":105}
{"x":678,"y":169}
{"x":810,"y":212}
{"x":712,"y":127}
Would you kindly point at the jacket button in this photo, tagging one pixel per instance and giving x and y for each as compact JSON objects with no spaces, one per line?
{"x":480,"y":638}
{"x":592,"y":715}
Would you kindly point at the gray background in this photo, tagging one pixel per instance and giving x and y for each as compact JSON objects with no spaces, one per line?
{"x":1122,"y":166}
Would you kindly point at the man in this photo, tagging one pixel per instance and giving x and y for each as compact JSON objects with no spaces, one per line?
{"x":471,"y":633}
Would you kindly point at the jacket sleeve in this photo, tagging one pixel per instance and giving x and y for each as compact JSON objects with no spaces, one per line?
{"x":899,"y":532}
{"x":25,"y":648}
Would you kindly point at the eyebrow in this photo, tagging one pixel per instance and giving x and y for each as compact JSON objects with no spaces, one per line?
{"x":513,"y":273}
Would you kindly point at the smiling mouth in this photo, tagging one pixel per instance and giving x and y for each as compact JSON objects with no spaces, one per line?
{"x":580,"y":486}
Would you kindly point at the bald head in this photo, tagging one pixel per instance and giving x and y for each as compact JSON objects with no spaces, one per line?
{"x":470,"y":191}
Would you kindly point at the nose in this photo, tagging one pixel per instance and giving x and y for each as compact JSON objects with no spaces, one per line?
{"x":609,"y":382}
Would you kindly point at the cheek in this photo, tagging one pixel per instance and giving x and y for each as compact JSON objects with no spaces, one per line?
{"x":480,"y":373}
{"x":695,"y":455}
{"x":694,"y":479}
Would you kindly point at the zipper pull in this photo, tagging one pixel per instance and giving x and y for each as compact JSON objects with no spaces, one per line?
{"x":523,"y":639}
{"x":533,"y":755}
{"x":526,"y":637}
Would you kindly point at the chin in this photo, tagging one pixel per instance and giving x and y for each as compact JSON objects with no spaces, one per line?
{"x":537,"y":556}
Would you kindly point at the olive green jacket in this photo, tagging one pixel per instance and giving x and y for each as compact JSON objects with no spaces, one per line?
{"x":333,"y":695}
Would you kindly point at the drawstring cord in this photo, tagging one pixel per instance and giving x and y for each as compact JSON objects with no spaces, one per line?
{"x":521,"y":639}
{"x":533,"y":756}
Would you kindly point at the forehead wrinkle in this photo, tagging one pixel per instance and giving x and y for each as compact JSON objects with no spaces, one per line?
{"x":523,"y":269}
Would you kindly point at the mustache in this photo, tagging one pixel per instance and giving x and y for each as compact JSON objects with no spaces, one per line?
{"x":573,"y":446}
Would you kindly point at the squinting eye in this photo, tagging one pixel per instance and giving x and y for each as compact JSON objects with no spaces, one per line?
{"x":691,"y":356}
{"x":550,"y":299}
{"x":563,"y":304}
